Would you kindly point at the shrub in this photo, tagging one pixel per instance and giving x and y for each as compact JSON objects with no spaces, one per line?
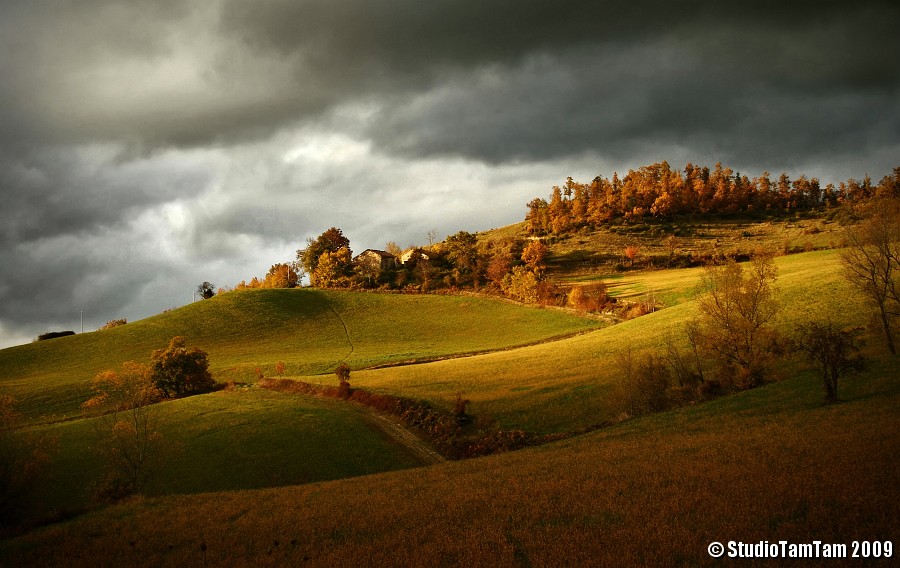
{"x":589,"y":297}
{"x":343,"y":374}
{"x":114,"y":323}
{"x":645,"y":384}
{"x":178,"y":370}
{"x":459,"y":409}
{"x":54,"y":335}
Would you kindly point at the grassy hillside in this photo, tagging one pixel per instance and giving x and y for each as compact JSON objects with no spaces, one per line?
{"x":767,"y":464}
{"x":310,"y":330}
{"x":567,"y":384}
{"x":770,"y":464}
{"x":581,"y":254}
{"x":234,"y":439}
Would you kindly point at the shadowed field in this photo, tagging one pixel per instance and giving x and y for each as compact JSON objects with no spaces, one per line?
{"x":771,"y":464}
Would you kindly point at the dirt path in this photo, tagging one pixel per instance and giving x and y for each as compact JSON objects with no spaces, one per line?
{"x":399,"y":433}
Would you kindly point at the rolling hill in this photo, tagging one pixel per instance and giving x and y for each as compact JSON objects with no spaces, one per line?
{"x":768,"y":464}
{"x":311,"y":331}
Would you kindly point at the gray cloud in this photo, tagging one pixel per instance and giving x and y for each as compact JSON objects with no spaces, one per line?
{"x":145,"y":147}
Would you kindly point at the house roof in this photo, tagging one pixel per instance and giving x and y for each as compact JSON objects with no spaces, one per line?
{"x":381,"y":253}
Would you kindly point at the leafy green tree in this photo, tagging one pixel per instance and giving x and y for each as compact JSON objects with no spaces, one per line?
{"x":282,"y":275}
{"x":521,"y":284}
{"x":342,"y":372}
{"x":462,"y":250}
{"x":178,"y":371}
{"x":333,"y":269}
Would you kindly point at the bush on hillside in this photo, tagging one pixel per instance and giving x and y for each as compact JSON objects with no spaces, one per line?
{"x":179,"y":371}
{"x":54,"y":335}
{"x":343,"y":374}
{"x":589,"y":297}
{"x":114,"y":323}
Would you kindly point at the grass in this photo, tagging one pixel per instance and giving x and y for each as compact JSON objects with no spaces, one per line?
{"x":310,"y":330}
{"x":564,"y":385}
{"x":233,"y":439}
{"x":770,"y":464}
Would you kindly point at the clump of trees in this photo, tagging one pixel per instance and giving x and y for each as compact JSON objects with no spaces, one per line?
{"x":206,"y":290}
{"x":659,"y":191}
{"x":126,"y":417}
{"x":732,"y":345}
{"x":53,"y":335}
{"x":593,"y":297}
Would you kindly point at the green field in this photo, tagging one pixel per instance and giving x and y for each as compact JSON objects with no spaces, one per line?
{"x":563,"y":385}
{"x":311,"y":331}
{"x":770,"y":464}
{"x":233,"y":439}
{"x":261,"y":471}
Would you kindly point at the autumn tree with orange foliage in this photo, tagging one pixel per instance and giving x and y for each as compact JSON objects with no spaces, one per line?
{"x":126,"y":424}
{"x":660,"y":191}
{"x":534,"y":255}
{"x":736,"y":314}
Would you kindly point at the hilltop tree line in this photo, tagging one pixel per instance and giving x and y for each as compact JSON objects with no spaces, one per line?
{"x":659,"y":191}
{"x":515,"y":267}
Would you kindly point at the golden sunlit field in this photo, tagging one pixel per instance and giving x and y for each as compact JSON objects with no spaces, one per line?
{"x":253,"y":312}
{"x":772,"y":463}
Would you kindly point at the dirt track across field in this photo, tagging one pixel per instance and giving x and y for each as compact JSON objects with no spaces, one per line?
{"x":403,"y":436}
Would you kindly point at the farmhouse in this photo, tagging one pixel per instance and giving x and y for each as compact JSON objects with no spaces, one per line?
{"x":412,"y":255}
{"x":373,"y":262}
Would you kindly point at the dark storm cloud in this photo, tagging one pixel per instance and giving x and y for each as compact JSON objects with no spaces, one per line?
{"x":147,"y":144}
{"x":160,"y":74}
{"x":55,"y":191}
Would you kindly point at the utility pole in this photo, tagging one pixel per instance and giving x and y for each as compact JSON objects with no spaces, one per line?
{"x":82,"y":321}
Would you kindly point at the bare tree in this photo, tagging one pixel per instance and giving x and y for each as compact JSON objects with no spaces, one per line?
{"x":871,"y":262}
{"x":832,"y":350}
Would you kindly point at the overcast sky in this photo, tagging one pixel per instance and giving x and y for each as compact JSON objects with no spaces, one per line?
{"x":148,"y":146}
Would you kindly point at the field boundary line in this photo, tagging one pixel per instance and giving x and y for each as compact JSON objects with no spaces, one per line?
{"x":344,"y":325}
